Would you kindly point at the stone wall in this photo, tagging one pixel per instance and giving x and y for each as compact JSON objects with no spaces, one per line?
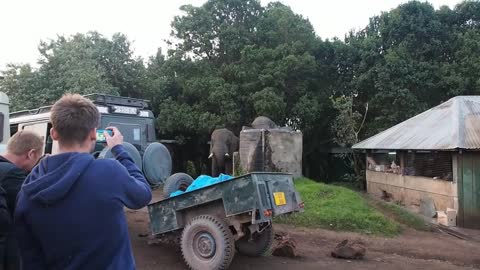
{"x":273,"y":150}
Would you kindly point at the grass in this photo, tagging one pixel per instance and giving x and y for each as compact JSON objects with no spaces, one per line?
{"x":338,"y":208}
{"x":350,"y":185}
{"x":401,"y":215}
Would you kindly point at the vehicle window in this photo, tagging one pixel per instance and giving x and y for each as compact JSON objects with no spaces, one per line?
{"x":150,"y":133}
{"x":40,"y":129}
{"x":132,"y":133}
{"x":136,"y":134}
{"x":13,"y":129}
{"x":49,"y":141}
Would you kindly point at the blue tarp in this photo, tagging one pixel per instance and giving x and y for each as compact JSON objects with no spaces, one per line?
{"x":203,"y":181}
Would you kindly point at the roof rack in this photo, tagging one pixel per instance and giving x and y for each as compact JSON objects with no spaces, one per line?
{"x":99,"y":99}
{"x":103,"y":99}
{"x":40,"y":110}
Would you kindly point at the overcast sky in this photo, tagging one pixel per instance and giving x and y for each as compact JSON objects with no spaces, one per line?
{"x":23,"y":23}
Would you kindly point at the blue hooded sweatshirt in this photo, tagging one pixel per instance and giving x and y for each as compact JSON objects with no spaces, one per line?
{"x":70,"y":212}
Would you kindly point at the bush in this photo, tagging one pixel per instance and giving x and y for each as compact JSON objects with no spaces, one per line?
{"x":191,"y":170}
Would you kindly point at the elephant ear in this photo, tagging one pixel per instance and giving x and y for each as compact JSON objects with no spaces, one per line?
{"x":211,"y":144}
{"x":236,"y":140}
{"x":233,"y":145}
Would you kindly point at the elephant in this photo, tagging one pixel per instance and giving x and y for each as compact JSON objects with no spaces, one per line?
{"x":223,"y":144}
{"x":263,"y":122}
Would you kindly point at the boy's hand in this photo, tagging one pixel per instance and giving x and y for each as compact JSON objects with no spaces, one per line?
{"x":114,"y":140}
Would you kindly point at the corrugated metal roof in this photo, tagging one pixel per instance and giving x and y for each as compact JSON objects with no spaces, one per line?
{"x":454,"y":124}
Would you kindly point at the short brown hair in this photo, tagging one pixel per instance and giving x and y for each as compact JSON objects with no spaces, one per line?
{"x":23,"y":141}
{"x":73,"y":117}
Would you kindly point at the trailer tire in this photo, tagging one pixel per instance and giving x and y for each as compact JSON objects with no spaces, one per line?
{"x":207,"y":244}
{"x":259,"y":246}
{"x":175,"y":182}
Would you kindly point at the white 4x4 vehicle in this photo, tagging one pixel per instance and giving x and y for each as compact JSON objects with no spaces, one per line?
{"x":130,"y":115}
{"x":4,"y":123}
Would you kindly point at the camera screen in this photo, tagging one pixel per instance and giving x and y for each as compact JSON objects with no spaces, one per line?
{"x":101,"y":135}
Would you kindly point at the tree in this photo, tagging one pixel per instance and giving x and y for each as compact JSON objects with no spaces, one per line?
{"x":83,"y":63}
{"x":217,"y":30}
{"x":346,"y":127}
{"x":90,"y":63}
{"x":19,"y":83}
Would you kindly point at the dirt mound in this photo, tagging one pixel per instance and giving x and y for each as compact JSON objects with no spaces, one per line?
{"x":286,"y":246}
{"x":349,"y":250}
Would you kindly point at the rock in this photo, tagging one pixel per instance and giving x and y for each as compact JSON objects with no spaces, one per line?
{"x":263,"y":122}
{"x":427,"y":207}
{"x":281,"y":236}
{"x":349,"y":250}
{"x":286,"y":247}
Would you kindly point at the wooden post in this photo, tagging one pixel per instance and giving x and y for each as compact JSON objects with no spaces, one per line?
{"x":402,"y":162}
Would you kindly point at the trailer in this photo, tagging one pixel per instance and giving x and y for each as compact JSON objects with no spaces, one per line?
{"x":213,"y":222}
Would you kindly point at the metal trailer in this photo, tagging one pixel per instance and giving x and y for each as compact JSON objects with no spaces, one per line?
{"x":212,"y":222}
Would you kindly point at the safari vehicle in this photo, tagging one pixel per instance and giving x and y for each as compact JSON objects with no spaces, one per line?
{"x":4,"y":129}
{"x":211,"y":222}
{"x":131,"y":116}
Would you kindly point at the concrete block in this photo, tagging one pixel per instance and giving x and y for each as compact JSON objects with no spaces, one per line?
{"x":451,"y":217}
{"x":442,"y":218}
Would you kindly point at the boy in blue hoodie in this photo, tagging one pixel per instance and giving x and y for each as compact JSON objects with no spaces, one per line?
{"x":70,"y":210}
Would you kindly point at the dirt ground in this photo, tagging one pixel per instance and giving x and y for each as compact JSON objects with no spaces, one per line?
{"x":411,"y":250}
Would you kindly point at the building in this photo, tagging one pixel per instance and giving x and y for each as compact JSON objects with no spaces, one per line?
{"x":430,"y":161}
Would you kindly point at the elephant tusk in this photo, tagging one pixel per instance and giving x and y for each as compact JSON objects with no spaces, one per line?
{"x":210,"y":156}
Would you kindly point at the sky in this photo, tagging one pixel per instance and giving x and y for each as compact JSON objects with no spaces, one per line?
{"x":24,"y":23}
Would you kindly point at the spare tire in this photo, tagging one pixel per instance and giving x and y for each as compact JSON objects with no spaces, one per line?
{"x":157,"y":163}
{"x":132,"y":151}
{"x":178,"y":181}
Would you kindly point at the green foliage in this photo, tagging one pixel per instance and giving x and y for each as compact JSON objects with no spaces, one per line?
{"x":83,"y":63}
{"x":18,"y":82}
{"x":348,"y":122}
{"x":401,"y":215}
{"x":266,"y":102}
{"x":337,"y":208}
{"x":217,"y":30}
{"x":239,"y":170}
{"x":191,"y":170}
{"x":410,"y":59}
{"x":231,"y":65}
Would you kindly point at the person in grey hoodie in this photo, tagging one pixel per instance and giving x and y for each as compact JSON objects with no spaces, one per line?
{"x":70,"y":210}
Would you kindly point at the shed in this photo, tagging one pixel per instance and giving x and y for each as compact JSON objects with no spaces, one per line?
{"x":430,"y":159}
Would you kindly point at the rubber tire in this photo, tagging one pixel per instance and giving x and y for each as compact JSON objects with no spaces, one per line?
{"x":224,"y":241}
{"x":96,"y":154}
{"x":174,"y":182}
{"x":106,"y":153}
{"x":259,"y":246}
{"x":157,"y":163}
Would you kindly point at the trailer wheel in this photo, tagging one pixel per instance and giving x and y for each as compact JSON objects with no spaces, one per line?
{"x":259,"y":244}
{"x":178,"y":181}
{"x":207,"y":244}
